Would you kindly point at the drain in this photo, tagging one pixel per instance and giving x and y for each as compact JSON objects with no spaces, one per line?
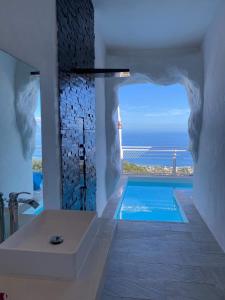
{"x":56,"y":240}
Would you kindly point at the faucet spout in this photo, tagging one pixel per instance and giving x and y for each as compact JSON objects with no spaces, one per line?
{"x":13,"y":209}
{"x":32,"y":202}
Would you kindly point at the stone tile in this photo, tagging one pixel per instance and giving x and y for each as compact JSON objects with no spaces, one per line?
{"x":194,"y":217}
{"x":207,"y":260}
{"x":195,"y":247}
{"x":216,"y":275}
{"x":171,"y":261}
{"x":188,"y":227}
{"x":178,"y":298}
{"x":135,"y":288}
{"x":166,"y":244}
{"x":108,"y":297}
{"x":140,"y":257}
{"x":140,"y":225}
{"x":203,"y":237}
{"x":165,"y":234}
{"x":145,"y":247}
{"x":158,"y":272}
{"x":190,"y":291}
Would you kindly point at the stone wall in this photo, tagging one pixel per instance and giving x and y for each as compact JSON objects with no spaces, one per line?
{"x":75,"y":22}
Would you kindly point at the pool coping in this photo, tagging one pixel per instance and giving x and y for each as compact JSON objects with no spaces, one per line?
{"x":114,"y":200}
{"x":183,"y":179}
{"x":113,"y":203}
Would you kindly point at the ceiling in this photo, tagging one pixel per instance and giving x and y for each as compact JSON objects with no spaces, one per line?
{"x":145,"y":24}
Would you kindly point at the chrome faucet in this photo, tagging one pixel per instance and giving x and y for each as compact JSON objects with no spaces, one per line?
{"x":13,"y":208}
{"x":2,"y":218}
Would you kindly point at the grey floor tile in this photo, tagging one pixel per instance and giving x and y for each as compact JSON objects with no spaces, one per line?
{"x":154,"y":234}
{"x":171,"y":261}
{"x":108,"y":297}
{"x":196,"y":291}
{"x":207,"y":260}
{"x":140,"y":225}
{"x":194,"y":247}
{"x":187,"y":227}
{"x":151,"y":256}
{"x":159,"y":272}
{"x":136,"y":289}
{"x":203,"y":237}
{"x":218,"y":275}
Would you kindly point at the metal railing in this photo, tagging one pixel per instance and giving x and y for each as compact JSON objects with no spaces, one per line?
{"x":37,"y":152}
{"x":149,"y":160}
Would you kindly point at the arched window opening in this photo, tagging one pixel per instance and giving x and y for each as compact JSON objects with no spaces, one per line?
{"x":153,"y":129}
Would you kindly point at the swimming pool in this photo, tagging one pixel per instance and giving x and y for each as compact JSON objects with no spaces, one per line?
{"x":151,"y":200}
{"x":35,"y":211}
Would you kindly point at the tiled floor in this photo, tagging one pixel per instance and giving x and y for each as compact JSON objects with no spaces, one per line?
{"x":165,"y":261}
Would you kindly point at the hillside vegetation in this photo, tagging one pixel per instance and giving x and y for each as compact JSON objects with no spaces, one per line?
{"x":130,"y":168}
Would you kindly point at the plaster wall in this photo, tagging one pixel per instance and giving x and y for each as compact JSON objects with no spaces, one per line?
{"x":27,"y":91}
{"x":209,"y":188}
{"x":15,"y":170}
{"x":100,"y":52}
{"x":28,"y":32}
{"x":159,"y":66}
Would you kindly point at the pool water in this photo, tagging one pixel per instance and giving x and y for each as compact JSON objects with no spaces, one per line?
{"x":35,"y":211}
{"x":151,"y":201}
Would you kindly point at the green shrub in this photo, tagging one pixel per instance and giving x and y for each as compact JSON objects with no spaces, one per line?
{"x":130,"y":168}
{"x":37,"y":165}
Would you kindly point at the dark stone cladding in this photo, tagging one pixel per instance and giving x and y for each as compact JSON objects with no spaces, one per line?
{"x":75,"y":33}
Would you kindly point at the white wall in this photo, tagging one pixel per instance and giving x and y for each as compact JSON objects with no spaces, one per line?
{"x":25,"y":106}
{"x":101,"y":198}
{"x":158,"y":63}
{"x":15,"y":171}
{"x":28,"y":31}
{"x":166,"y":66}
{"x":209,"y":180}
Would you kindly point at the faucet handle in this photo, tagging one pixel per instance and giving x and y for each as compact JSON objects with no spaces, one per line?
{"x":14,"y":196}
{"x":2,"y":197}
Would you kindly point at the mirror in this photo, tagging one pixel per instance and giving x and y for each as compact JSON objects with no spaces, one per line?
{"x":20,"y":131}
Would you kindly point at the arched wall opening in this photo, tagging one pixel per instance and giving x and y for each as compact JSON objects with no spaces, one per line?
{"x":192,"y":88}
{"x":153,"y":129}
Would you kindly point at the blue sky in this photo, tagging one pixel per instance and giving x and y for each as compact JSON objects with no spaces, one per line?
{"x":38,"y":128}
{"x":150,"y":107}
{"x":38,"y":110}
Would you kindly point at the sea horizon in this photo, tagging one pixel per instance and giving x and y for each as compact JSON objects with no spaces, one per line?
{"x":173,"y":139}
{"x":159,"y":139}
{"x":170,"y":139}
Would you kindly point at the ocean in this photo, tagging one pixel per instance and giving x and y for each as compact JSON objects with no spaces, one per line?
{"x":38,"y":147}
{"x":152,"y":139}
{"x":155,"y":139}
{"x":161,"y":140}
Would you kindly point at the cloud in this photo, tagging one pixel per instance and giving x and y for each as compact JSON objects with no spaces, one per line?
{"x":169,"y":113}
{"x":134,"y":108}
